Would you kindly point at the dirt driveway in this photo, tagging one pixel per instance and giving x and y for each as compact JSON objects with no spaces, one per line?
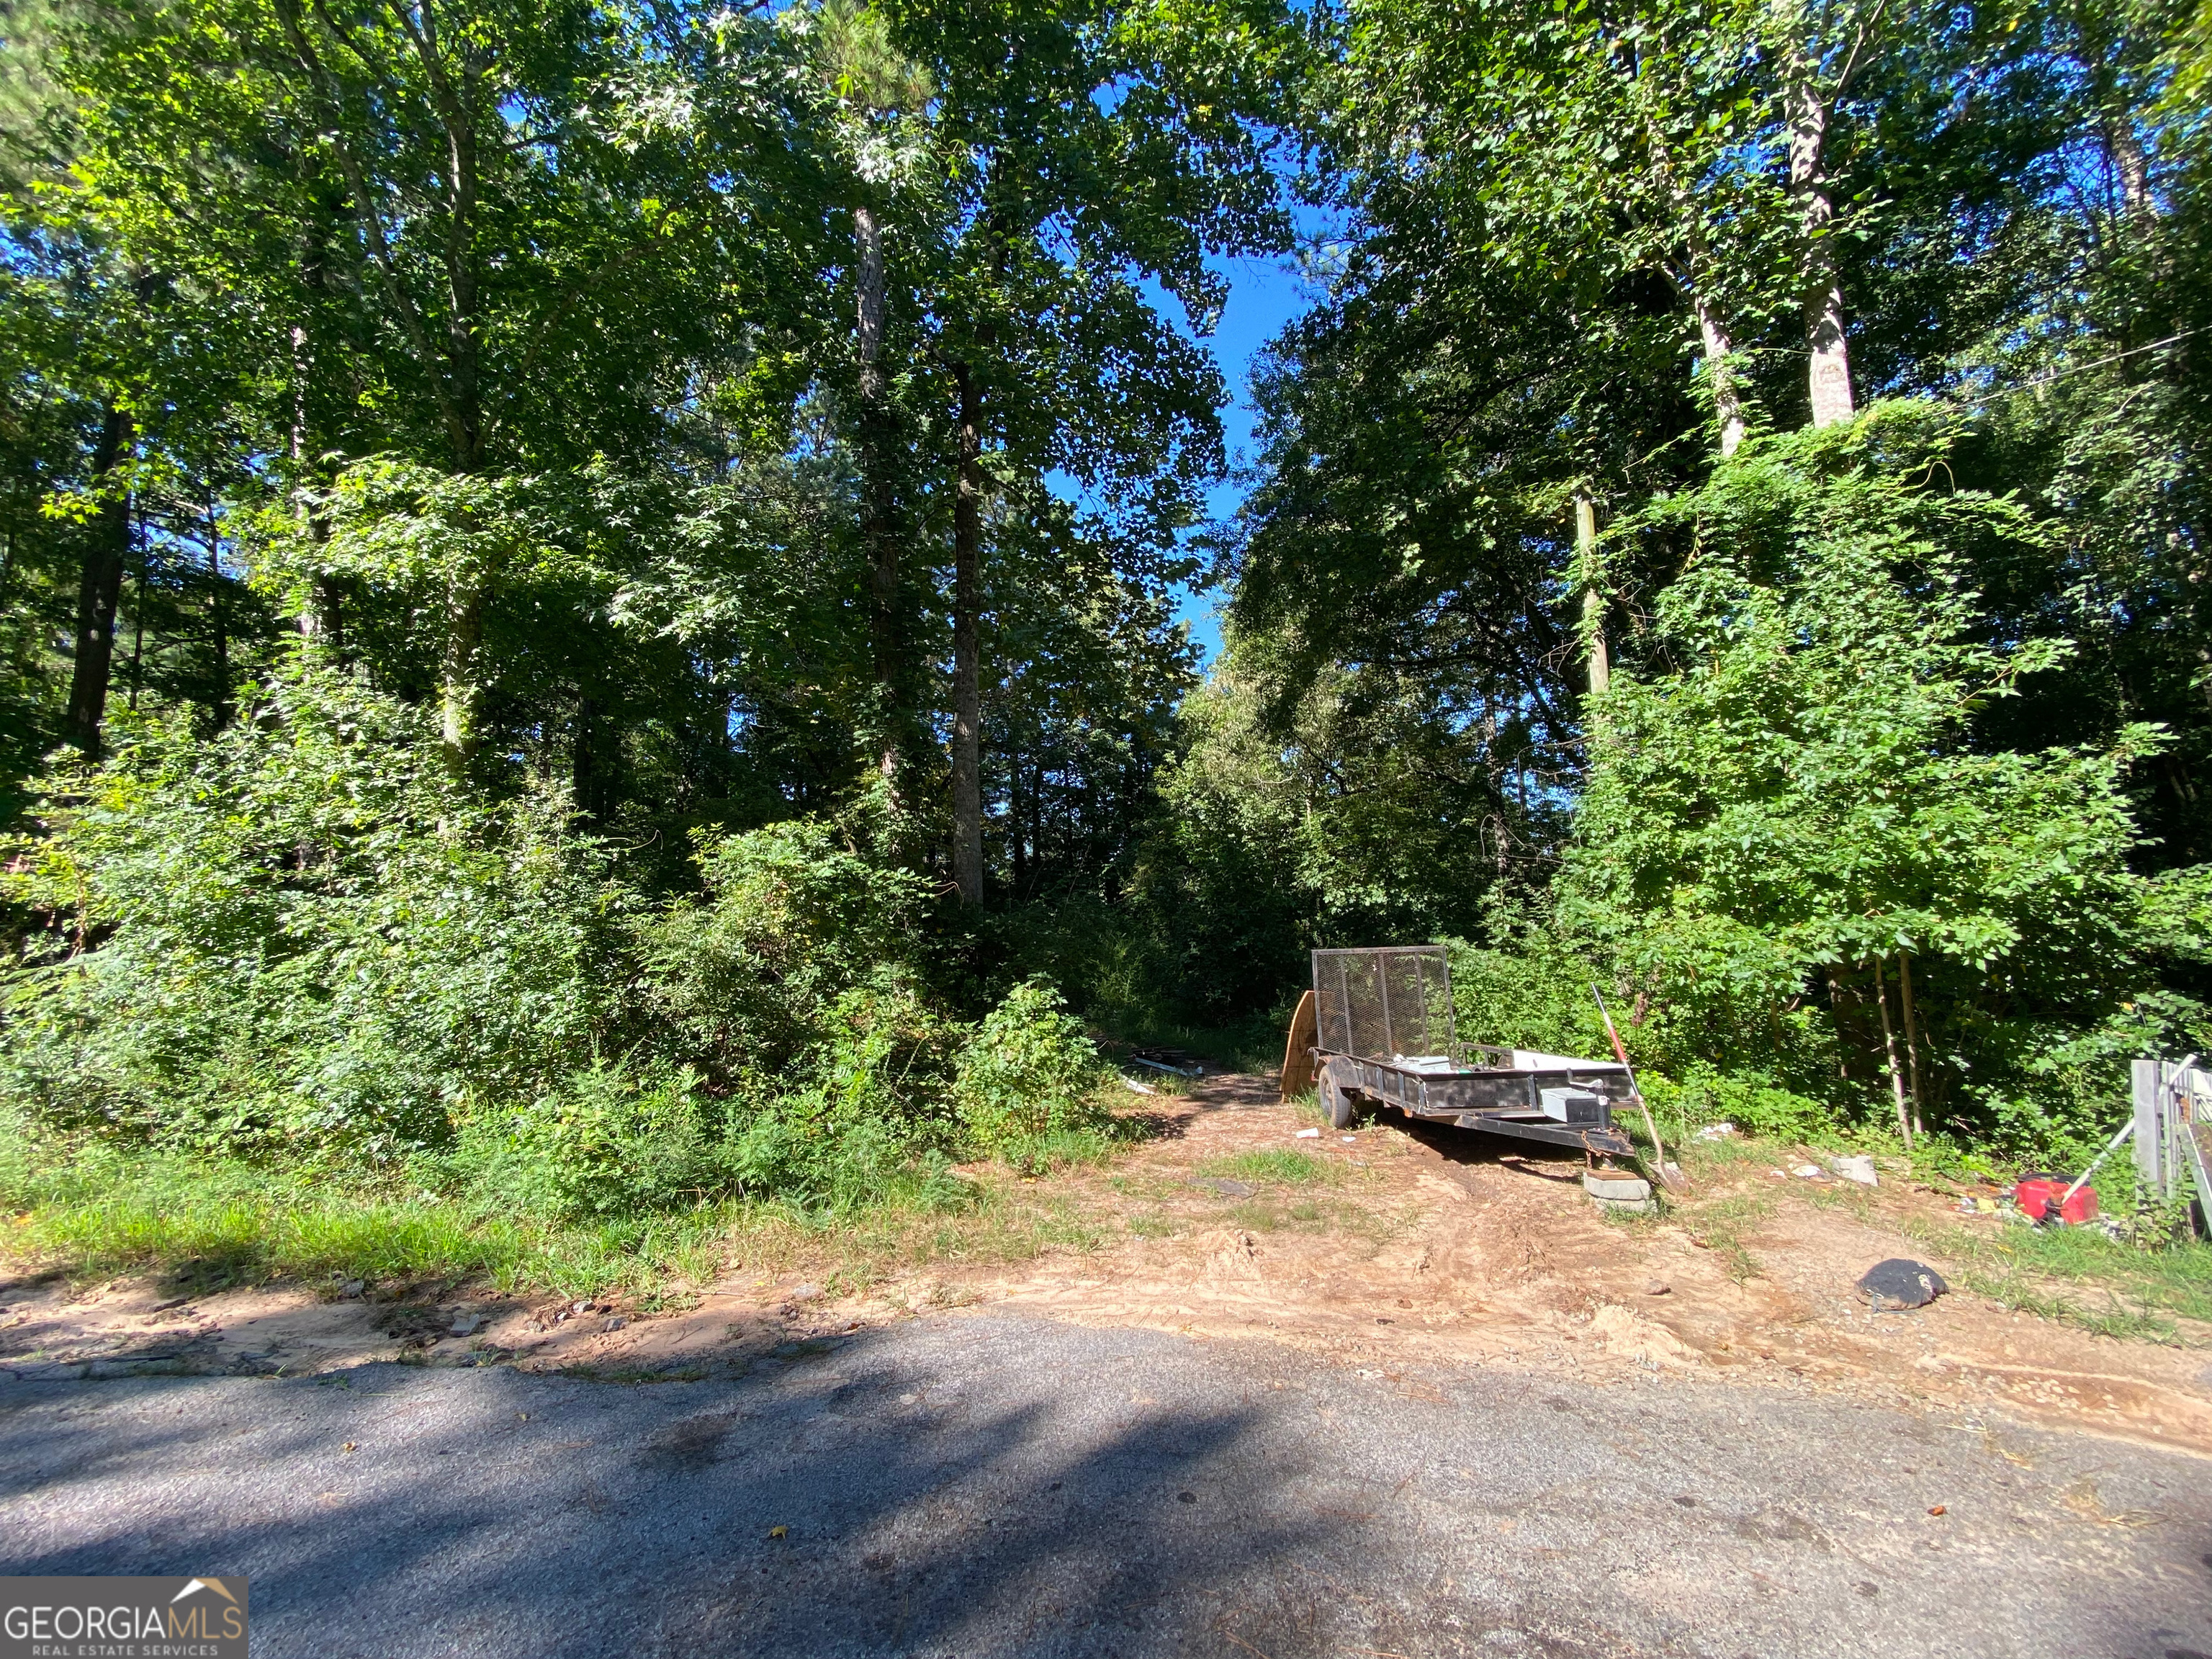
{"x":1398,"y":1394}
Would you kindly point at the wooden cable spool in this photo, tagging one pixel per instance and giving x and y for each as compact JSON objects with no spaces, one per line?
{"x":1298,"y":1053}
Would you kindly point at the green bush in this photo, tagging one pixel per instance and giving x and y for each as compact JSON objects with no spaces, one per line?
{"x":1536,"y":995}
{"x":1028,"y":1072}
{"x":748,"y":979}
{"x":608,"y":1143}
{"x":867,"y":1111}
{"x":297,"y":936}
{"x":1751,"y":1102}
{"x":299,"y":941}
{"x":1788,"y":810}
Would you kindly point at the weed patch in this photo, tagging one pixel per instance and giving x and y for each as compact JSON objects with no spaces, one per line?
{"x":1720,"y":1225}
{"x":201,"y":1226}
{"x":2138,"y":1291}
{"x":1277,"y":1165}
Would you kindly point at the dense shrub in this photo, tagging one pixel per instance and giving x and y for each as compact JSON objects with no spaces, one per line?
{"x":1790,"y":812}
{"x":752,"y":976}
{"x":1025,"y":1074}
{"x":1753,"y":1104}
{"x":298,"y":939}
{"x":609,"y":1142}
{"x":296,"y":935}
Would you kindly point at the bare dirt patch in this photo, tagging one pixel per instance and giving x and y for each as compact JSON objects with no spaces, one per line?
{"x":1394,"y":1249}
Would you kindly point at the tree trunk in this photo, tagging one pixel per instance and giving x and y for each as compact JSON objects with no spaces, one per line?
{"x":878,"y":496}
{"x":321,"y":619}
{"x":1694,"y":279}
{"x":100,"y":589}
{"x":1831,"y":367}
{"x":1836,"y":999}
{"x":967,"y":668}
{"x":138,"y":623}
{"x":218,"y":623}
{"x":2128,"y":160}
{"x":1912,"y":1035}
{"x":1727,"y":395}
{"x":1600,"y":671}
{"x":460,"y":694}
{"x":1017,"y":825}
{"x":1889,"y":1040}
{"x":587,"y":783}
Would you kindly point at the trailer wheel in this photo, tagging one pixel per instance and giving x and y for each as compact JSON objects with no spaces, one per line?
{"x":1337,"y":1100}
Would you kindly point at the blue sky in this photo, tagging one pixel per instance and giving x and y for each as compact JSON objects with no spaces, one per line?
{"x":1263,"y":295}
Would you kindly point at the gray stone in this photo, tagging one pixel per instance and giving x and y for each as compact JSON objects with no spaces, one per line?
{"x":1616,"y":1185}
{"x":1627,"y":1205}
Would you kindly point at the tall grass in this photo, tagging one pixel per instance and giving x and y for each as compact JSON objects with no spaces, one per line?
{"x":204,"y":1224}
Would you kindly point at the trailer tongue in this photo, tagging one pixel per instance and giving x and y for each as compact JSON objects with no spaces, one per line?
{"x":1385,"y":1032}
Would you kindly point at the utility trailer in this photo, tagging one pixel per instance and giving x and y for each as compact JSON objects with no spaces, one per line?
{"x":1379,"y":1028}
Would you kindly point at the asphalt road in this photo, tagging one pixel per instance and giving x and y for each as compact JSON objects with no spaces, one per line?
{"x":985,"y":1485}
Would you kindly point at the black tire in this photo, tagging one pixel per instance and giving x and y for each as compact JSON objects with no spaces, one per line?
{"x":1337,"y":1100}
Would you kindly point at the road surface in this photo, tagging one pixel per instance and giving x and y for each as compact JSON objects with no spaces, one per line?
{"x":984,"y":1484}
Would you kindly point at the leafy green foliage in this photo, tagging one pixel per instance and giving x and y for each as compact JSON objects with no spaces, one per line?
{"x":304,"y":941}
{"x":1027,"y":1074}
{"x":1749,"y":1102}
{"x":607,"y":1144}
{"x":791,"y":926}
{"x":306,"y":937}
{"x":540,"y":461}
{"x":1800,"y":799}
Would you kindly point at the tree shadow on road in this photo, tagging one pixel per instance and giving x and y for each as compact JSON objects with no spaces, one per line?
{"x":852,"y":1501}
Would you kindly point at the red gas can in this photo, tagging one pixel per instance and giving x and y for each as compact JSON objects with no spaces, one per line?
{"x":2039,"y":1196}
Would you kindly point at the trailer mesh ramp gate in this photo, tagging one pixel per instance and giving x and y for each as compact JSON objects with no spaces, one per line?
{"x":2173,"y":1129}
{"x":1388,"y":1003}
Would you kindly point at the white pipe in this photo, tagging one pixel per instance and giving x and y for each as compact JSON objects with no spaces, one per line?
{"x":1157,"y":1065}
{"x":2111,"y":1146}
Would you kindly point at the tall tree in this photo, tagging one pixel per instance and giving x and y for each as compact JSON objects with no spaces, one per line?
{"x":100,"y":584}
{"x":478,"y":234}
{"x":1092,"y":148}
{"x":883,"y":100}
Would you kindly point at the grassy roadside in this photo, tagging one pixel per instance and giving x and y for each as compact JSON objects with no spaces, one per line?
{"x":203,"y":1226}
{"x":2080,"y":1277}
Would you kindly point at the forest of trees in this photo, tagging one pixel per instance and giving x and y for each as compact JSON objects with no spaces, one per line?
{"x":592,"y":585}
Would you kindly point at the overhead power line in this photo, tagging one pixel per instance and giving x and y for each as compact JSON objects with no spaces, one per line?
{"x":2083,"y":368}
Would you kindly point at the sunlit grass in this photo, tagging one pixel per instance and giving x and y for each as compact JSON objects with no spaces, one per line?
{"x":206,"y":1224}
{"x":2079,"y":1276}
{"x":1282,"y":1165}
{"x":2124,"y":1287}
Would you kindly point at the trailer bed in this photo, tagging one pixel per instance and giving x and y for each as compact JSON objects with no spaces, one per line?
{"x":1385,"y":1031}
{"x":1502,"y":1098}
